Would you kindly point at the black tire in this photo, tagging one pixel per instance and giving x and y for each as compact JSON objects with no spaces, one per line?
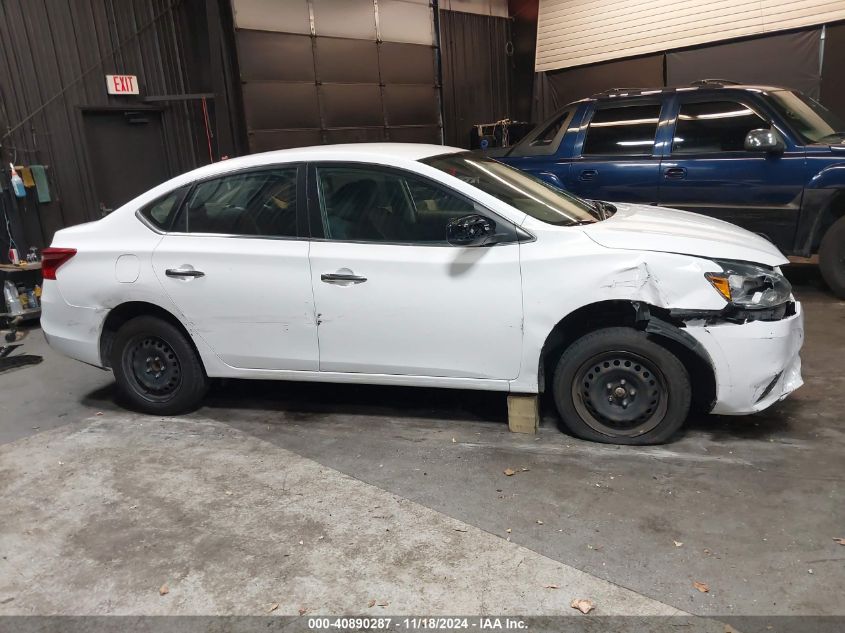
{"x":832,"y":258}
{"x":156,"y":367}
{"x":600,"y":381}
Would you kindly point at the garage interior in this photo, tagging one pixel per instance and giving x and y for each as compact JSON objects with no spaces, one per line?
{"x":301,"y":500}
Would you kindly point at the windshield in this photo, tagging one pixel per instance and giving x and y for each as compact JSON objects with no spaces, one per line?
{"x":518,"y":189}
{"x":814,"y":122}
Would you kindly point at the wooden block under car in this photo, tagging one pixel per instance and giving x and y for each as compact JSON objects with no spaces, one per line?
{"x":523,"y":413}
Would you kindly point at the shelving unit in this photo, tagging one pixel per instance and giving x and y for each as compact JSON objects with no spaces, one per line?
{"x":7,"y":270}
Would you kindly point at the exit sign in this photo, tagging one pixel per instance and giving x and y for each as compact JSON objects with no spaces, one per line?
{"x":122,"y":84}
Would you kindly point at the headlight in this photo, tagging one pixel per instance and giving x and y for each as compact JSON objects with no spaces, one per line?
{"x":750,"y":286}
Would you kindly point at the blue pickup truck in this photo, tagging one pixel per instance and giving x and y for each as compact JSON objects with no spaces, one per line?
{"x":769,"y":159}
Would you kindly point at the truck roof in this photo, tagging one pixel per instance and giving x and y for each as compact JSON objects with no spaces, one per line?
{"x":701,"y":84}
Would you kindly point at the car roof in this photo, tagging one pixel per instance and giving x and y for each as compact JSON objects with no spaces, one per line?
{"x":384,"y":153}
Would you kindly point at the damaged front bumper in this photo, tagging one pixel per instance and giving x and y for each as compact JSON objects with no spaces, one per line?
{"x":757,"y":363}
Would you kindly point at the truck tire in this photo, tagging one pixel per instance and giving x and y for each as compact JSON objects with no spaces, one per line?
{"x":617,"y":386}
{"x":832,"y":258}
{"x":156,"y":367}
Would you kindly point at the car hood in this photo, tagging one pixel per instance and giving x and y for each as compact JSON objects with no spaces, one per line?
{"x":649,"y":228}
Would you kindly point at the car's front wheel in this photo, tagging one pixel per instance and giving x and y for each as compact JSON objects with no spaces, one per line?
{"x":156,"y":368}
{"x":615,"y":385}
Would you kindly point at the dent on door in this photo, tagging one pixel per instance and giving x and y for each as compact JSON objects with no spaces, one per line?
{"x":250,"y":299}
{"x":439,"y":311}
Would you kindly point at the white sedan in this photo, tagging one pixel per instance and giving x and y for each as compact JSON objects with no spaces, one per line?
{"x":429,"y":266}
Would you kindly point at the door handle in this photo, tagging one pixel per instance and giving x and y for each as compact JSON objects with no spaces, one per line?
{"x":183,"y":272}
{"x":342,"y":278}
{"x":588,"y":174}
{"x":675,"y":173}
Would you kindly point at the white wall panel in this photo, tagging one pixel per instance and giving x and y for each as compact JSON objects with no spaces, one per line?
{"x":272,"y":15}
{"x":403,"y":21}
{"x":576,"y":32}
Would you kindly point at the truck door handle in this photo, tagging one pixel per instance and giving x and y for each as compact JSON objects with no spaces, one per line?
{"x":588,"y":174}
{"x":342,"y":278}
{"x":675,"y":173}
{"x":183,"y":272}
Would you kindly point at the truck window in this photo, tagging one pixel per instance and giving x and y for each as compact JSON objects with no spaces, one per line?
{"x":714,"y":126}
{"x":622,"y":130}
{"x":547,"y":140}
{"x":550,"y":133}
{"x":813,"y":122}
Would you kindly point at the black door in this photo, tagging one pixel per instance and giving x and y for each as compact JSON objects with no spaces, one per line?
{"x":126,"y":151}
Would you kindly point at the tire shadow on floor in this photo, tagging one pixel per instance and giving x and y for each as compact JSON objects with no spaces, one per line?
{"x":307,"y":401}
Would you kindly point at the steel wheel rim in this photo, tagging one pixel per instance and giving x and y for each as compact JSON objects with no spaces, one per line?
{"x":602,"y":394}
{"x":152,"y":367}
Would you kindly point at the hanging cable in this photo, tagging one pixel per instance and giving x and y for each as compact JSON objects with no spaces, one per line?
{"x":9,"y":238}
{"x":207,"y":129}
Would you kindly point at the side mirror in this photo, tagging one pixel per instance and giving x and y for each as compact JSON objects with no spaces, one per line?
{"x":764,"y":141}
{"x":470,"y":230}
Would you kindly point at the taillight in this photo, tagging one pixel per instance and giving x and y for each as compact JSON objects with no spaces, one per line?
{"x":52,"y":258}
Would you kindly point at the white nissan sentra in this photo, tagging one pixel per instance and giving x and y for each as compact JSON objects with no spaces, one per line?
{"x":429,"y":266}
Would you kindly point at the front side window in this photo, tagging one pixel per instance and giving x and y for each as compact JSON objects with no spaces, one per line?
{"x":714,"y":126}
{"x":516,"y":188}
{"x":260,"y":203}
{"x":622,"y":130}
{"x":378,"y":205}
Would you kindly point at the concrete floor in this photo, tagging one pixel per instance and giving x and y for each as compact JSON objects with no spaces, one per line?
{"x":324,"y":498}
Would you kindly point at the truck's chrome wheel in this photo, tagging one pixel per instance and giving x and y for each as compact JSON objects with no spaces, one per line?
{"x":620,"y":393}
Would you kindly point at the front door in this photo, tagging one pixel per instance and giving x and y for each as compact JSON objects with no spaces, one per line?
{"x":393,"y":296}
{"x":234,"y":266}
{"x":709,"y":170}
{"x":617,"y":160}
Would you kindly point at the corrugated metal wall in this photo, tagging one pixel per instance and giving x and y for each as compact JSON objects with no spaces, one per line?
{"x":577,"y":32}
{"x":53,"y":58}
{"x":335,"y":71}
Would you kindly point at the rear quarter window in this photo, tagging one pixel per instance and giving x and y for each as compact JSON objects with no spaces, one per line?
{"x":160,"y":212}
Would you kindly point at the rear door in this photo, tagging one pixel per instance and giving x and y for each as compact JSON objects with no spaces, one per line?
{"x":707,"y":169}
{"x":235,"y":266}
{"x":616,"y":158}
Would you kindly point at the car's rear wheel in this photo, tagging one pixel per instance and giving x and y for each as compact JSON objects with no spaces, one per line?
{"x":832,"y":258}
{"x":615,"y":385}
{"x":156,"y":367}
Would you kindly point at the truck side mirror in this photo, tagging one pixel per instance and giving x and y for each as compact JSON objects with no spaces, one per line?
{"x":763,"y":140}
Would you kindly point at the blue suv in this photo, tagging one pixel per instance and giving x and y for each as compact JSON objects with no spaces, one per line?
{"x":768,"y":159}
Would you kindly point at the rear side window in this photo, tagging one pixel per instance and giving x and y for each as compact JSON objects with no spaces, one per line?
{"x":714,"y":126}
{"x":622,"y":130}
{"x":260,"y":203}
{"x":161,"y":212}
